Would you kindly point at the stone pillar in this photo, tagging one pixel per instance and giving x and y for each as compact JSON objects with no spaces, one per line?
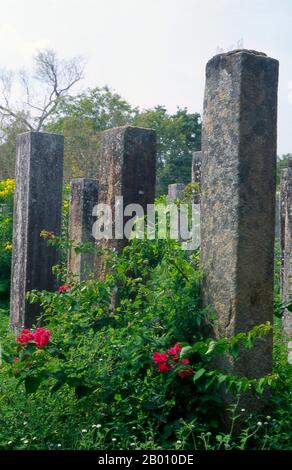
{"x":83,"y":197}
{"x":127,"y":170}
{"x":175,"y":191}
{"x":238,"y":199}
{"x":283,"y":207}
{"x":278,"y":215}
{"x":196,"y":174}
{"x":37,"y":207}
{"x":286,"y":247}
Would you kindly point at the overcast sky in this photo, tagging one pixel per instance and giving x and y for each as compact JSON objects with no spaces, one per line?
{"x":152,"y":51}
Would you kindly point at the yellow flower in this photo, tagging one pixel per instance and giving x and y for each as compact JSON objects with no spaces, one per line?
{"x":8,"y":246}
{"x":7,"y":187}
{"x":65,"y":204}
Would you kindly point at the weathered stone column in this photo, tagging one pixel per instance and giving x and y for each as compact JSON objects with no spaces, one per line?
{"x":196,"y":174}
{"x":286,"y":247}
{"x":37,"y":207}
{"x":238,"y":199}
{"x":175,"y":191}
{"x":83,"y":197}
{"x":283,"y":207}
{"x":127,"y":170}
{"x":278,"y":215}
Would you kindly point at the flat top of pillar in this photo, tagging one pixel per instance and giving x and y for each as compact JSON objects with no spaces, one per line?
{"x":123,"y":128}
{"x":177,"y":185}
{"x":83,"y":180}
{"x":240,"y":52}
{"x":39,"y":133}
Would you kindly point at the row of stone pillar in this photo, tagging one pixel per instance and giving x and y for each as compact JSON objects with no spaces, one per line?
{"x":238,"y":184}
{"x":127,"y":169}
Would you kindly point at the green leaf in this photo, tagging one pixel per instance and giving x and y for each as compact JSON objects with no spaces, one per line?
{"x":211,"y":347}
{"x":82,"y":391}
{"x":199,"y":374}
{"x":186,"y":351}
{"x":32,"y":384}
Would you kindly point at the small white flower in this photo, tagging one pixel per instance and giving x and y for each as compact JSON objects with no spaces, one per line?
{"x":133,"y":444}
{"x":178,"y":442}
{"x":34,"y":438}
{"x":114,"y":439}
{"x":83,"y":430}
{"x":268,"y":418}
{"x":243,"y":410}
{"x":25,"y":423}
{"x":59,"y":445}
{"x":9,"y":443}
{"x":25,"y":442}
{"x":23,"y":439}
{"x":98,"y":426}
{"x":134,"y":427}
{"x":259,"y":423}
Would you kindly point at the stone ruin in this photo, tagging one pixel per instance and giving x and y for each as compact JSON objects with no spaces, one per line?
{"x":236,"y":170}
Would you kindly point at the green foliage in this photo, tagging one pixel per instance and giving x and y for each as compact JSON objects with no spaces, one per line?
{"x":95,"y":384}
{"x":98,"y":370}
{"x":178,"y":136}
{"x":6,"y":210}
{"x":82,"y":118}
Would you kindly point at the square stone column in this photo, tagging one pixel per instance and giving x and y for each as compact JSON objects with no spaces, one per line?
{"x":83,"y":198}
{"x":175,"y":191}
{"x":238,"y":199}
{"x":37,"y":207}
{"x":127,"y":171}
{"x":286,"y":248}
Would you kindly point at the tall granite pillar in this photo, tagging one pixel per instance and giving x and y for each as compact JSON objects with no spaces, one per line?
{"x":278,"y":216}
{"x":83,"y":197}
{"x":238,"y":200}
{"x":286,"y":247}
{"x":283,"y":207}
{"x":175,"y":191}
{"x":127,"y":171}
{"x":196,"y":174}
{"x":37,"y":207}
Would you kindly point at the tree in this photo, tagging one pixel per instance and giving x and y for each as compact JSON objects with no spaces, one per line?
{"x":51,"y":79}
{"x":178,"y":136}
{"x":81,"y":119}
{"x":42,"y":91}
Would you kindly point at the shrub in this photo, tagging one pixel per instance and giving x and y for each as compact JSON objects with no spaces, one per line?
{"x":107,"y":346}
{"x":6,"y":209}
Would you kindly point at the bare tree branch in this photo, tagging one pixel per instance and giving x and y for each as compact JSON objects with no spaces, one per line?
{"x":51,"y":80}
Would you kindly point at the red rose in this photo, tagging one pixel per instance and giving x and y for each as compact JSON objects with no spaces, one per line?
{"x":185,"y":372}
{"x":15,"y":360}
{"x":64,"y":288}
{"x":175,"y":358}
{"x":185,"y":362}
{"x":25,"y":336}
{"x":175,"y":349}
{"x":41,"y":337}
{"x":163,"y":368}
{"x":159,"y":358}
